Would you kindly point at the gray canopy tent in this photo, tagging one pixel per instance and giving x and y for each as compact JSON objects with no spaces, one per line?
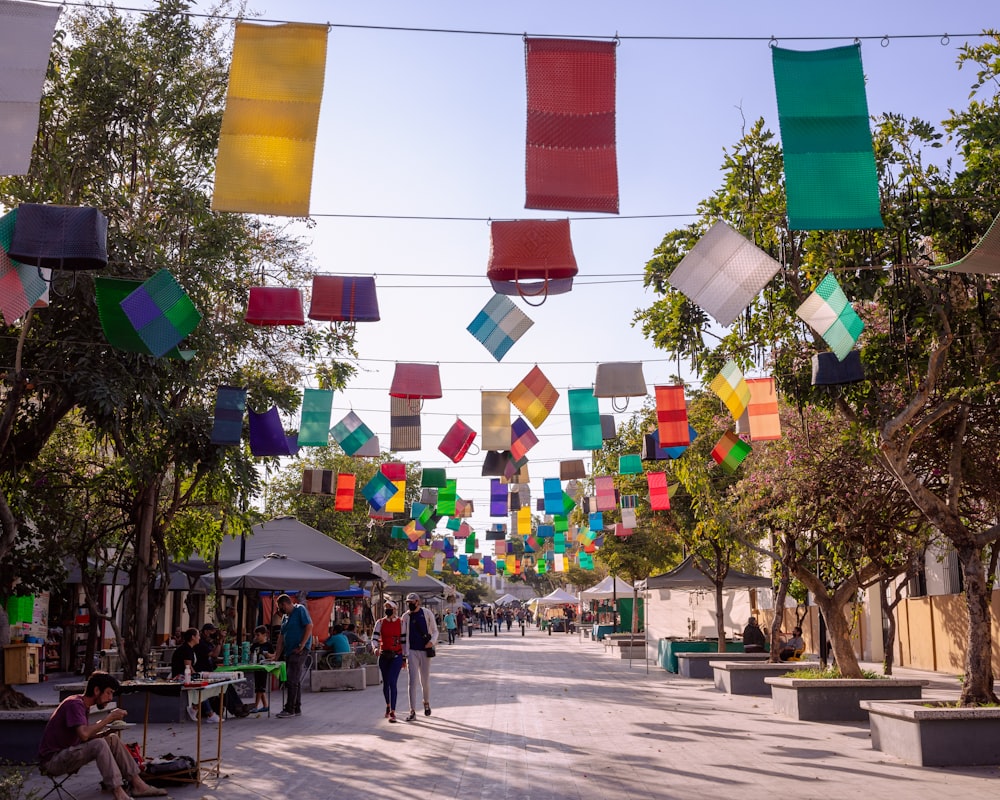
{"x":421,"y":584}
{"x":687,"y":576}
{"x":294,"y":539}
{"x":276,"y":572}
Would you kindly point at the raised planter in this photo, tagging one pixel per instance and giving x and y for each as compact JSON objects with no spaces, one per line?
{"x":837,"y":699}
{"x":747,"y":677}
{"x":635,"y":652}
{"x":698,"y":665}
{"x":21,"y":732}
{"x":935,"y":737}
{"x":322,"y":680}
{"x":372,"y":676}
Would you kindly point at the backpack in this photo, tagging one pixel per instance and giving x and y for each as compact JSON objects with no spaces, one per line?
{"x":169,"y":770}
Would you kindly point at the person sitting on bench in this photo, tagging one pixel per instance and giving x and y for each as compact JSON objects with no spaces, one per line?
{"x":69,"y":741}
{"x":793,"y":646}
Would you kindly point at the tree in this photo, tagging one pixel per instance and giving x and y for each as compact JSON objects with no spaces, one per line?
{"x":129,"y":124}
{"x":843,"y":523}
{"x":929,"y":353}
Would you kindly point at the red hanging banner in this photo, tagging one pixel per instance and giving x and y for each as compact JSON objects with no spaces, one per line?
{"x":571,"y":161}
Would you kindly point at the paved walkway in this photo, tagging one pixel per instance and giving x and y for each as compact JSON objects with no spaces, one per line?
{"x":546,"y":718}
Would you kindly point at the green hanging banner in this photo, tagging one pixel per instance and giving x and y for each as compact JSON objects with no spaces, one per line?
{"x":118,"y":329}
{"x":830,"y":178}
{"x":314,"y":426}
{"x":584,"y":420}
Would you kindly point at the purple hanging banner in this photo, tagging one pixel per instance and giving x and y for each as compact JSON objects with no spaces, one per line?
{"x":498,"y":498}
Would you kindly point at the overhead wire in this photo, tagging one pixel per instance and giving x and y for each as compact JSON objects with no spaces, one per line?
{"x":943,"y":38}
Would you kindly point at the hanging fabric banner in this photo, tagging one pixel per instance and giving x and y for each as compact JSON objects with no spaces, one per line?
{"x":522,"y":439}
{"x":828,"y":370}
{"x":404,"y":424}
{"x":26,"y":34}
{"x":762,"y":412}
{"x":552,"y":493}
{"x":604,"y":488}
{"x":314,"y":423}
{"x":60,"y":237}
{"x":395,"y":471}
{"x":275,"y":305}
{"x":531,"y":258}
{"x":346,"y":484}
{"x":659,"y":496}
{"x":534,"y":397}
{"x":447,"y":496}
{"x":351,"y":433}
{"x":831,"y":182}
{"x":584,"y":420}
{"x":572,"y":469}
{"x":379,"y":491}
{"x":267,"y":435}
{"x":596,"y":520}
{"x":457,"y":441}
{"x":984,"y":258}
{"x":268,"y":137}
{"x":731,"y":389}
{"x":828,"y":312}
{"x":723,"y":273}
{"x":416,"y":382}
{"x":630,"y":464}
{"x":230,"y":406}
{"x":496,"y":421}
{"x":608,"y":427}
{"x":499,"y":325}
{"x":340,"y":298}
{"x":671,"y":416}
{"x":498,"y":498}
{"x":434,"y":478}
{"x":161,"y":313}
{"x":118,"y":330}
{"x":21,"y":285}
{"x":319,"y":481}
{"x":571,"y":163}
{"x":730,"y":451}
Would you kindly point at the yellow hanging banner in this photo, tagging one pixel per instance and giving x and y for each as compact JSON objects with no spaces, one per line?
{"x":268,"y":138}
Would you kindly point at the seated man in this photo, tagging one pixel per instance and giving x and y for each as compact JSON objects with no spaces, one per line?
{"x":753,"y":637}
{"x":351,"y":632}
{"x":69,"y":741}
{"x":793,"y":646}
{"x":337,"y":644}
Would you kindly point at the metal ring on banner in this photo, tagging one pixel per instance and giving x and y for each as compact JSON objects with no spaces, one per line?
{"x":615,"y":407}
{"x":470,"y":452}
{"x":772,"y":43}
{"x":415,"y":409}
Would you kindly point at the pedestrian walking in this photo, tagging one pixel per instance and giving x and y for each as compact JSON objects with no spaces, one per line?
{"x":387,"y":641}
{"x":420,"y":637}
{"x":451,"y":625}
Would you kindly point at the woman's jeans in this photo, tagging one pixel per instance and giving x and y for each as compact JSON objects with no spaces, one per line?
{"x":390,"y":665}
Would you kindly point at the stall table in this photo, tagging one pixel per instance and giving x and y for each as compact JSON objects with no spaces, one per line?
{"x":669,"y":648}
{"x":600,"y":631}
{"x":193,"y":694}
{"x":271,"y":668}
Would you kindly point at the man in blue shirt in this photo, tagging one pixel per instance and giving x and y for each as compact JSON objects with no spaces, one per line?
{"x":294,"y":642}
{"x":338,"y":644}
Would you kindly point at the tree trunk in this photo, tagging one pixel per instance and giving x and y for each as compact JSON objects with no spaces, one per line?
{"x":839,"y":631}
{"x":889,"y":634}
{"x":139,"y":639}
{"x":978,"y":686}
{"x":784,"y":580}
{"x":720,"y":617}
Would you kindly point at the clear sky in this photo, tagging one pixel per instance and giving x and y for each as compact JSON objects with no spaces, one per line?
{"x":433,"y":124}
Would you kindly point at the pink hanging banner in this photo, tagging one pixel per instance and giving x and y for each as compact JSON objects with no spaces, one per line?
{"x":571,"y":159}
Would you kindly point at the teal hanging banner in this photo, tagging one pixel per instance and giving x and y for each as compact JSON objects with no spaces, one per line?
{"x":830,"y":178}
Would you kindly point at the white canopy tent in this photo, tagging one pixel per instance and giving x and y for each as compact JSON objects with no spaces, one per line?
{"x":611,"y":587}
{"x":559,"y":597}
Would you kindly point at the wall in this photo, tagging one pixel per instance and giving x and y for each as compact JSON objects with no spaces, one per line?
{"x":932,"y":632}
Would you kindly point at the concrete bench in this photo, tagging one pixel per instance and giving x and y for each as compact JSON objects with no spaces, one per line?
{"x":21,"y":733}
{"x":699,"y":665}
{"x":742,"y":677}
